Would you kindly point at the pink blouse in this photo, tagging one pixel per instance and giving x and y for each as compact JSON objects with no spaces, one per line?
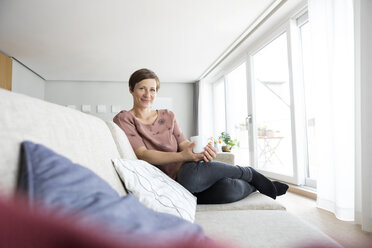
{"x":163,"y":135}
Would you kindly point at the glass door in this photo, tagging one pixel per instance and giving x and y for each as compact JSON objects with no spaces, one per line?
{"x":270,"y":98}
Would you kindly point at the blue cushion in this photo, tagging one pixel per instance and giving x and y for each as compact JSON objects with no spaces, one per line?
{"x":67,"y":188}
{"x":55,"y":180}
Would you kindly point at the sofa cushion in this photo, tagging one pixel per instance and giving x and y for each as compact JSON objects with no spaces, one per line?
{"x":59,"y":187}
{"x":56,"y":181}
{"x":81,"y":137}
{"x":121,"y":141}
{"x":262,"y":228}
{"x":155,"y":189}
{"x":254,"y":201}
{"x":20,"y":227}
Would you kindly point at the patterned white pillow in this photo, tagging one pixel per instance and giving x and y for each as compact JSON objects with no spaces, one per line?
{"x":155,"y":189}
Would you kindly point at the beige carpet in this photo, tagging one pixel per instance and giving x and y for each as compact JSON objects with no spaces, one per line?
{"x":347,"y":234}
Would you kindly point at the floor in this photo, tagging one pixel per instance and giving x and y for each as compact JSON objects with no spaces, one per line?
{"x":345,"y":233}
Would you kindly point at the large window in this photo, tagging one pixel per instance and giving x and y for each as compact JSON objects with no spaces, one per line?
{"x":260,"y":106}
{"x":236,"y":112}
{"x":230,"y":110}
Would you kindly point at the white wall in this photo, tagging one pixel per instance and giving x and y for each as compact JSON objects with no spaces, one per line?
{"x":177,"y":96}
{"x":27,"y":82}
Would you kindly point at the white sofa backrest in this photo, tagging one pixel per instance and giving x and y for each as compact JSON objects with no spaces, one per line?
{"x":121,"y":140}
{"x":83,"y":138}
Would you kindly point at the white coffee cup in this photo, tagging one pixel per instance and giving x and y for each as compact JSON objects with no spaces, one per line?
{"x":200,"y":141}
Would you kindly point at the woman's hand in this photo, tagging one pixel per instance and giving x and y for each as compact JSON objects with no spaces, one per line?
{"x":209,"y":153}
{"x":188,"y":153}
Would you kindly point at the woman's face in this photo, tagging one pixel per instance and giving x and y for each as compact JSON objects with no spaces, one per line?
{"x":144,"y":93}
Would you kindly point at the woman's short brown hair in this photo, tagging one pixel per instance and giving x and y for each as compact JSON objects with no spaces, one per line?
{"x":142,"y":74}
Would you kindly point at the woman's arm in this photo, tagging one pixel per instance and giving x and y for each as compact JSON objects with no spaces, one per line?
{"x":157,"y":157}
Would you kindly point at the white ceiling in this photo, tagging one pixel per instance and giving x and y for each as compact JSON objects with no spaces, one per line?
{"x":96,"y":40}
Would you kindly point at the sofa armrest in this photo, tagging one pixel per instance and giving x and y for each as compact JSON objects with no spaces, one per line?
{"x":226,"y":157}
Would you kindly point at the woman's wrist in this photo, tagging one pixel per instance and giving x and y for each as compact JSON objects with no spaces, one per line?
{"x":183,"y":156}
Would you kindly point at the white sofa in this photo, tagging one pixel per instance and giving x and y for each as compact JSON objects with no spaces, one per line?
{"x":257,"y":221}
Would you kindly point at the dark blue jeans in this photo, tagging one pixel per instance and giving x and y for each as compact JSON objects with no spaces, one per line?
{"x":214,"y":182}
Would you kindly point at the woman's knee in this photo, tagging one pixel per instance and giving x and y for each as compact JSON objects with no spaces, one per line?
{"x":197,"y":176}
{"x":226,"y":190}
{"x":231,"y":190}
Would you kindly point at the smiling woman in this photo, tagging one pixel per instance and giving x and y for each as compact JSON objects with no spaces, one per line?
{"x":143,"y":85}
{"x":156,"y":138}
{"x":144,"y":94}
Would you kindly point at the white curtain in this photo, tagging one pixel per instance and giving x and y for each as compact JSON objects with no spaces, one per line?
{"x":205,"y":109}
{"x":332,"y":38}
{"x":363,"y":172}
